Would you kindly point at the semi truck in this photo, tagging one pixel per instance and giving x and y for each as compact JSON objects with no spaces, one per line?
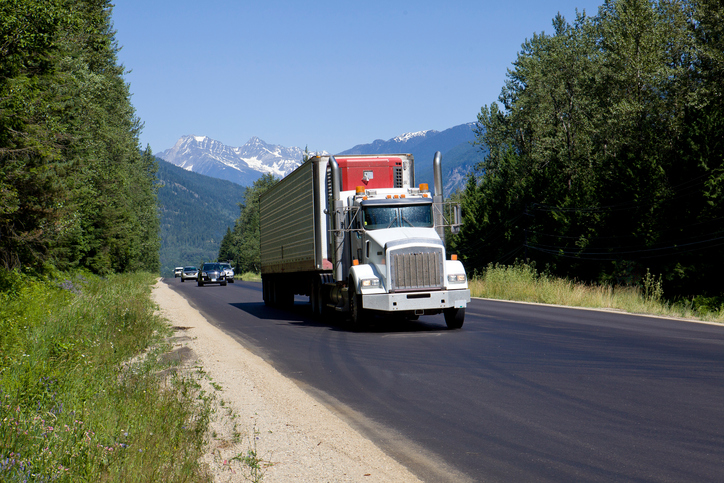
{"x":356,"y":235}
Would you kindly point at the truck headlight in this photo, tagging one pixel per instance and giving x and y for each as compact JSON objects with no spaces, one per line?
{"x":456,"y":278}
{"x":370,"y":282}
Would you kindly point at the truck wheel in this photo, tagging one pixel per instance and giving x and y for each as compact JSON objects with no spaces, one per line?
{"x":283,"y":295}
{"x":182,"y":280}
{"x":266,"y":292}
{"x":454,"y":318}
{"x":356,"y":312}
{"x":223,"y":284}
{"x":316,"y":298}
{"x":200,"y":283}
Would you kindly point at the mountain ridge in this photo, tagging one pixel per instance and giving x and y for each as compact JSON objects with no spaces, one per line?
{"x":245,"y":164}
{"x":195,"y":211}
{"x":242,"y":165}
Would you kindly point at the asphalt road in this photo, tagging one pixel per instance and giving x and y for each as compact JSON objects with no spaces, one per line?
{"x":520,"y":393}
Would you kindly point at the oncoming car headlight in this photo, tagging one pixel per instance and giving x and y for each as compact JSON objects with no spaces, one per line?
{"x":456,"y":278}
{"x":370,"y":282}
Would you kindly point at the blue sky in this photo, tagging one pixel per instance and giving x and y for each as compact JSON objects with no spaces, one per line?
{"x":327,"y":75}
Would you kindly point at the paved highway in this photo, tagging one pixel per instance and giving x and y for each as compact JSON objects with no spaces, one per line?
{"x":520,"y":393}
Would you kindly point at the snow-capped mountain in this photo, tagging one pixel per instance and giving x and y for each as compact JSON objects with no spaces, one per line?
{"x":412,"y":136}
{"x":242,"y":165}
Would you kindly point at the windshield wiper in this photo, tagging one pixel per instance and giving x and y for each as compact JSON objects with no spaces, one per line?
{"x":408,"y":221}
{"x":394,"y":220}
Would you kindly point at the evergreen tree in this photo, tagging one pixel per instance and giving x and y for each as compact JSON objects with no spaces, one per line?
{"x":243,"y":248}
{"x":75,"y":189}
{"x":606,"y":157}
{"x":225,"y":250}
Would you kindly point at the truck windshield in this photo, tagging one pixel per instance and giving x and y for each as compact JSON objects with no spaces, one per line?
{"x":380,"y":217}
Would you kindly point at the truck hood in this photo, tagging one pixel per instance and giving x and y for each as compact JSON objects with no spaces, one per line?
{"x":394,"y":237}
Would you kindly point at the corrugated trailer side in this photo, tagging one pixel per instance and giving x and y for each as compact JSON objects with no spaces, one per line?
{"x":287,"y":225}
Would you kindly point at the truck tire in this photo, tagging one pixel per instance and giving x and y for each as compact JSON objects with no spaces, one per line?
{"x":356,"y":312}
{"x":283,"y":295}
{"x":316,"y":298}
{"x":200,"y":283}
{"x":266,"y":292}
{"x":223,"y":284}
{"x":454,"y":318}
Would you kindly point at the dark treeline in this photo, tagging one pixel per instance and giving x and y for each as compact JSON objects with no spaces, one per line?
{"x":75,"y":189}
{"x":606,"y":150}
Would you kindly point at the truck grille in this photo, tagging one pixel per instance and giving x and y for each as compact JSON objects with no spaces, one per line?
{"x":416,"y":269}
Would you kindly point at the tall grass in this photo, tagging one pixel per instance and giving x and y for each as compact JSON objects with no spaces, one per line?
{"x":250,"y":277}
{"x":74,"y":406}
{"x":523,"y":282}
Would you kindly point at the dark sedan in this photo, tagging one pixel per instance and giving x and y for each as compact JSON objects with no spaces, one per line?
{"x":211,"y":273}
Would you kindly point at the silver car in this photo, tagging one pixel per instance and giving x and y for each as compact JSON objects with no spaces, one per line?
{"x":228,"y":270}
{"x":189,"y":273}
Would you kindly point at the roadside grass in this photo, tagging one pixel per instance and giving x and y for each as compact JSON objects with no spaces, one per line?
{"x":522,"y":282}
{"x":251,"y":277}
{"x":83,"y":394}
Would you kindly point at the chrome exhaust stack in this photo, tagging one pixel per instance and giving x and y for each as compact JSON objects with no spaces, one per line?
{"x":438,"y":196}
{"x":337,"y":219}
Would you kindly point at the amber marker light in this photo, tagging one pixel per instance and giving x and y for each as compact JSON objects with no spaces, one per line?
{"x":453,"y":257}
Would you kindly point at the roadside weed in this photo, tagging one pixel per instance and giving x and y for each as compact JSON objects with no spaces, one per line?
{"x":76,"y":401}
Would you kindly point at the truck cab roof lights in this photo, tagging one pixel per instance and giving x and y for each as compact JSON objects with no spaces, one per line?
{"x":424,"y":187}
{"x":360,"y":190}
{"x":391,"y":202}
{"x":389,"y":197}
{"x":453,"y":257}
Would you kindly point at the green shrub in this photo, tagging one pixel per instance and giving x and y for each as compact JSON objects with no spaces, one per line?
{"x":523,"y":282}
{"x":76,"y":401}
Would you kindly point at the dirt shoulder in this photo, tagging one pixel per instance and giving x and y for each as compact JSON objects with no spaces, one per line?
{"x":260,"y":410}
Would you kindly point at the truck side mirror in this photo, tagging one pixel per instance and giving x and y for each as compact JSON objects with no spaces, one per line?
{"x":457,"y":216}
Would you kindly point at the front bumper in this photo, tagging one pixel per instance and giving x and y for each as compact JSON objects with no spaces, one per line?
{"x":392,"y":302}
{"x":213,"y":278}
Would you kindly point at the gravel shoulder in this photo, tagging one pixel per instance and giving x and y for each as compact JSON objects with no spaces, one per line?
{"x":294,"y":437}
